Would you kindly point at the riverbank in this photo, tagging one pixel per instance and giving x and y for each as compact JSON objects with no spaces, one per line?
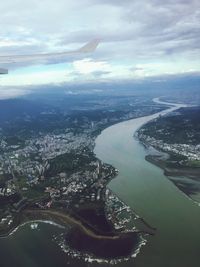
{"x":182,"y":171}
{"x":145,"y":188}
{"x":177,"y":136}
{"x":172,"y":144}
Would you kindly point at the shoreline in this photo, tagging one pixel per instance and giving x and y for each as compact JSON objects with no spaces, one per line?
{"x":145,"y":189}
{"x":56,"y":217}
{"x":81,"y":236}
{"x":190,"y":172}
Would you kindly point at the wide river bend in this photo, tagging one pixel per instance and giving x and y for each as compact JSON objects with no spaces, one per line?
{"x":147,"y":190}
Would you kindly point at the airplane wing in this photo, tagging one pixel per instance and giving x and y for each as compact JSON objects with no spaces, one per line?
{"x":88,"y":48}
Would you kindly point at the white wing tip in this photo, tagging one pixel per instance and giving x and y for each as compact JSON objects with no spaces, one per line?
{"x":90,"y":47}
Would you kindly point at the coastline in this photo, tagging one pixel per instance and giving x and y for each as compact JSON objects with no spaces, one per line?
{"x":81,"y":236}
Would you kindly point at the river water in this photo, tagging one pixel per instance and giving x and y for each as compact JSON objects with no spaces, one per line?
{"x":145,"y":189}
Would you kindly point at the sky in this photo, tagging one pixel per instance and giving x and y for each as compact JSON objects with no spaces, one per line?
{"x":139,"y":39}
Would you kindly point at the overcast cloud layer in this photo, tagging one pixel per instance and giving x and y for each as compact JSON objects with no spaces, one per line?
{"x":140,"y":38}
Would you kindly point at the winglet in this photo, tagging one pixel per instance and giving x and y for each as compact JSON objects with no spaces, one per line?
{"x":89,"y":47}
{"x":3,"y":71}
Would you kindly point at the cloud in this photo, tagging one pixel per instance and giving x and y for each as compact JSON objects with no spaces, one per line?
{"x":87,"y":66}
{"x":10,"y":92}
{"x":160,"y":33}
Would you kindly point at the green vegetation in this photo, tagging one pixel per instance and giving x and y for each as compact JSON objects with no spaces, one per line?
{"x":70,"y":162}
{"x":34,"y":193}
{"x":193,"y":163}
{"x":180,"y":128}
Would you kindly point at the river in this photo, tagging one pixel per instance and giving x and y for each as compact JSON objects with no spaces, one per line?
{"x":145,"y":189}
